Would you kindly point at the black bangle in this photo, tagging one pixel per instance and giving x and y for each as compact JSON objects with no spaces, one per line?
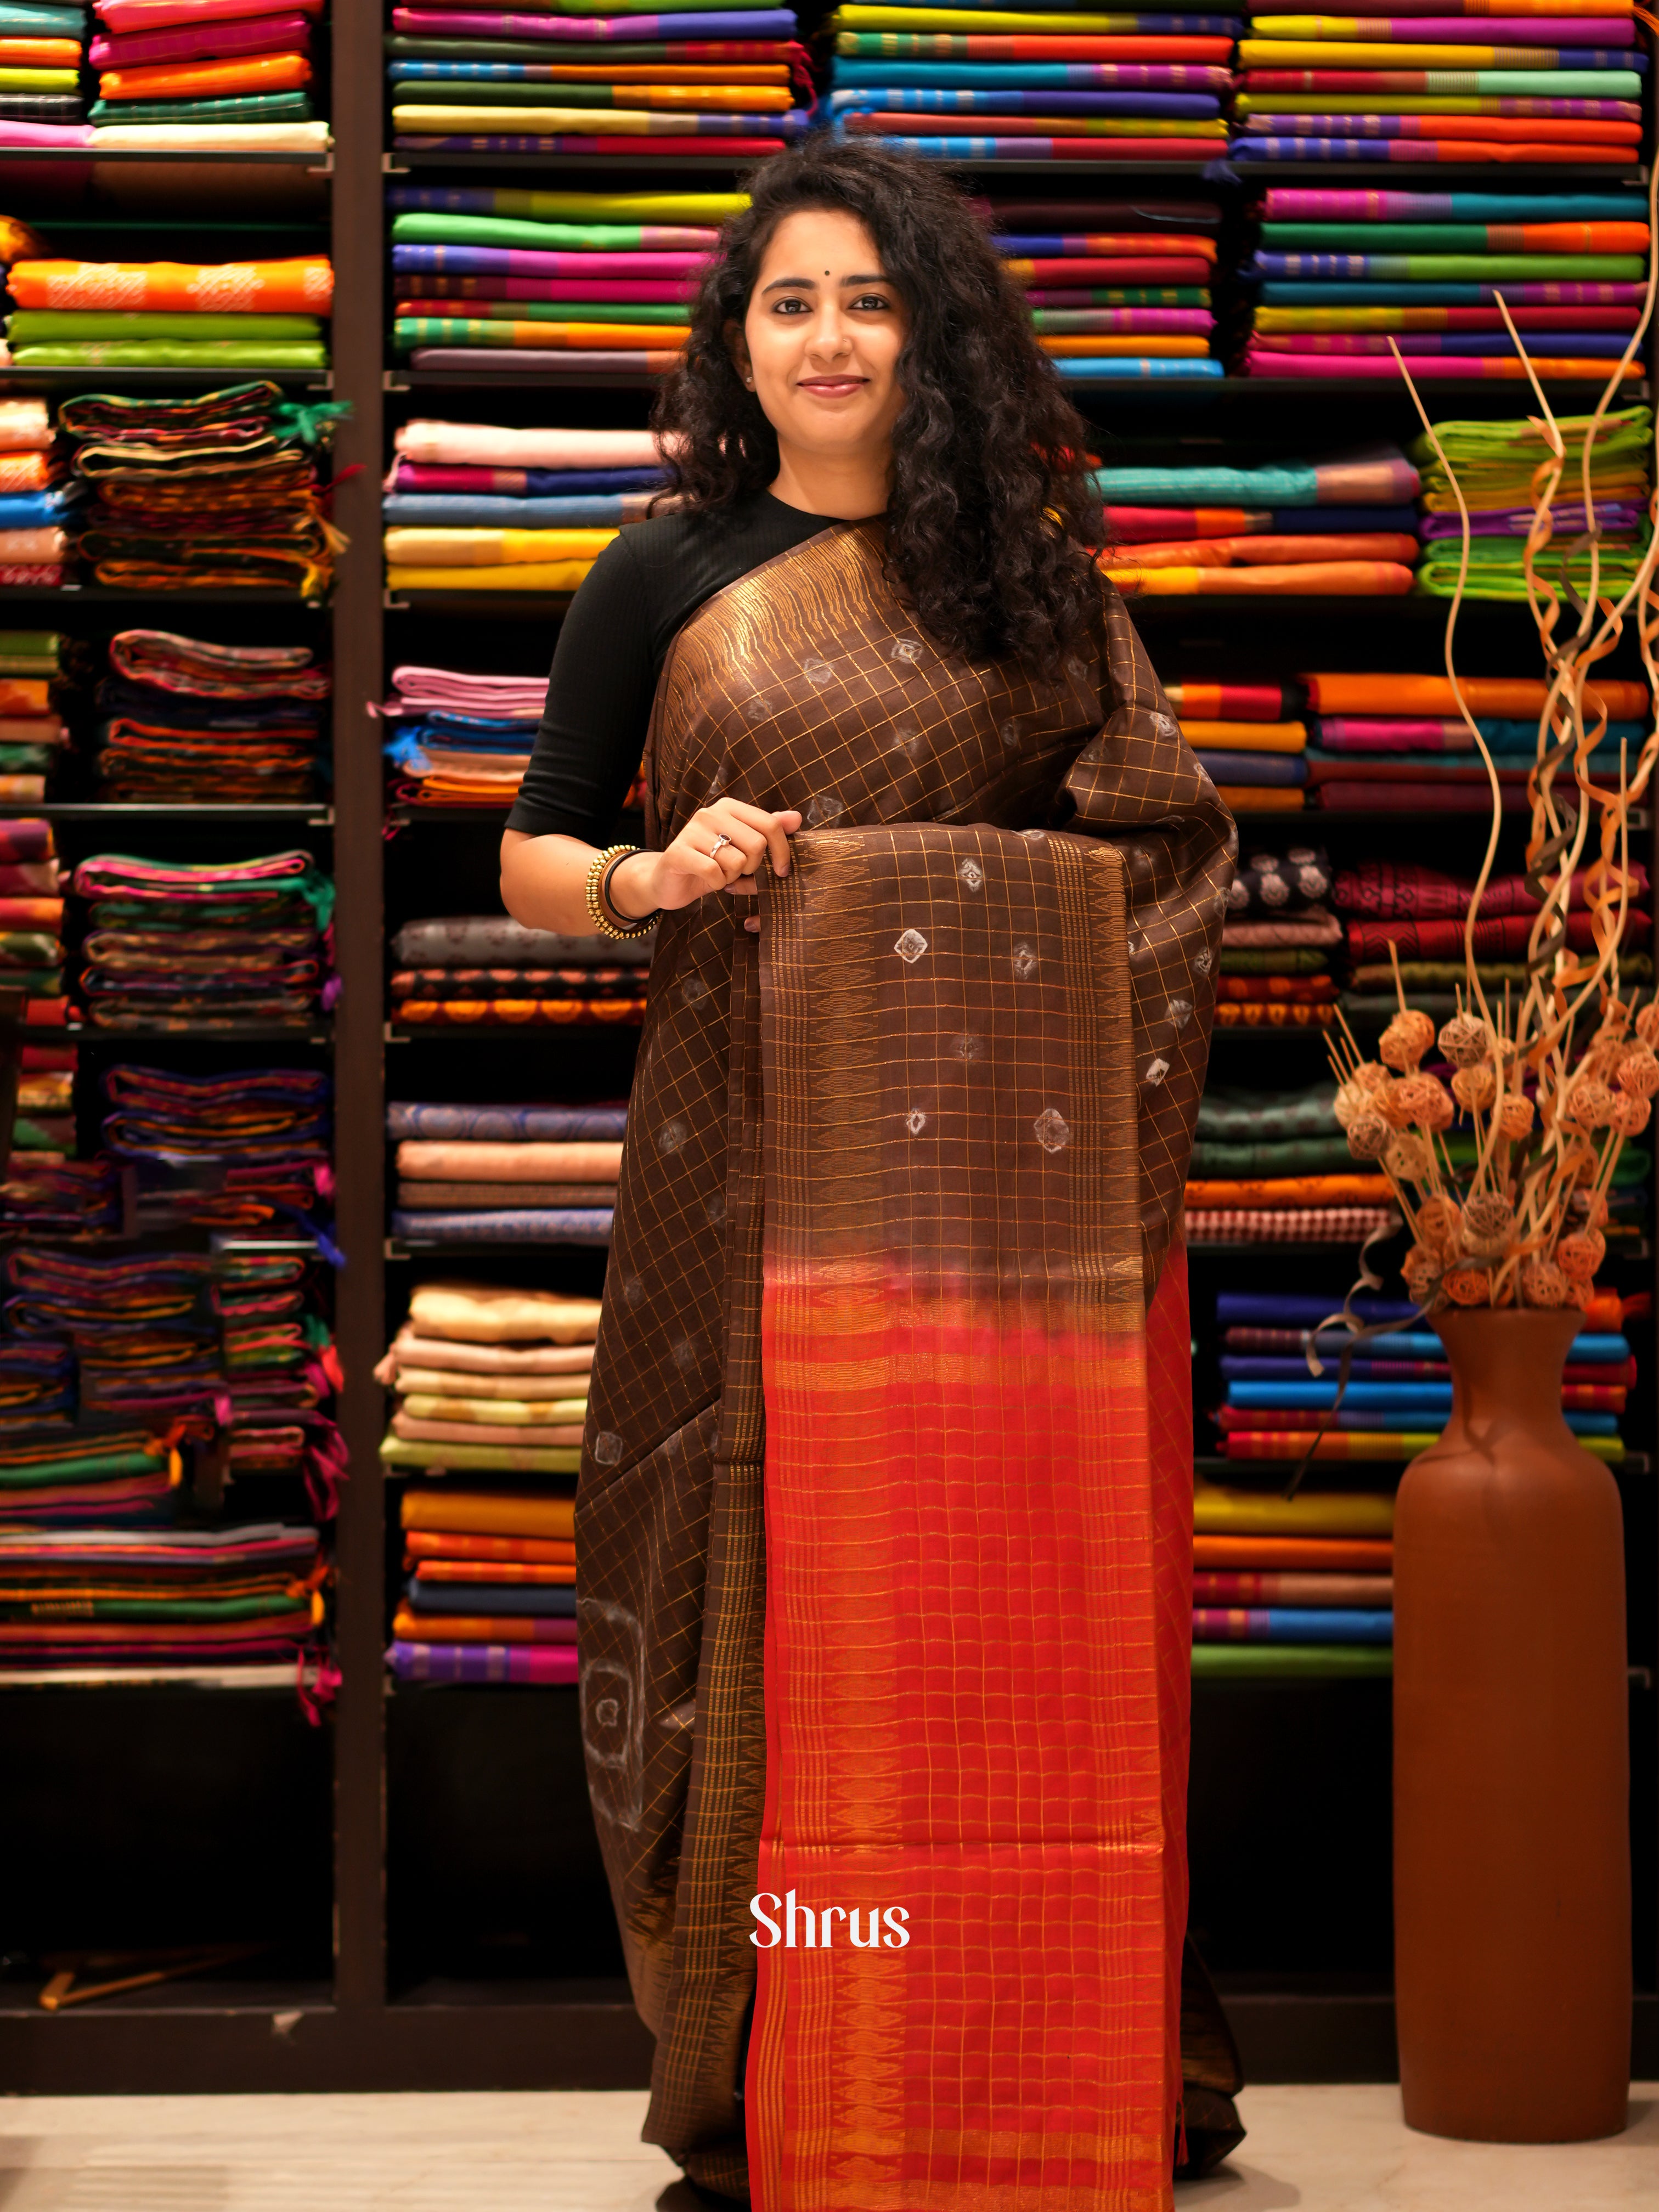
{"x":633,"y":926}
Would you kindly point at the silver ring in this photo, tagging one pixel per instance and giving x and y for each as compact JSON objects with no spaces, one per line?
{"x":721,"y":840}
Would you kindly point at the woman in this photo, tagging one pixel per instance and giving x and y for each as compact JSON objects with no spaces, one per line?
{"x":884,"y":1496}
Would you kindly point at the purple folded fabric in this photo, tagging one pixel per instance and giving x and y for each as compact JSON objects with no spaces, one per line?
{"x":509,"y":361}
{"x":513,"y":261}
{"x":1517,"y":521}
{"x":606,"y":30}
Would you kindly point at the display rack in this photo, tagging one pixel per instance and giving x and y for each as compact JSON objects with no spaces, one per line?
{"x":432,"y":1794}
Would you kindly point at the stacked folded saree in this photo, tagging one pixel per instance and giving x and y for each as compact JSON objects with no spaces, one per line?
{"x":99,"y":1477}
{"x":1343,"y":528}
{"x":497,"y":507}
{"x":473,"y":970}
{"x":211,"y":76}
{"x":31,"y":733}
{"x":209,"y":946}
{"x":184,"y":719}
{"x":1278,"y":935}
{"x":42,"y":47}
{"x":219,"y":491}
{"x":1383,"y":1417}
{"x":490,"y":1382}
{"x":1272,"y":1167}
{"x":142,"y":1329}
{"x":1444,"y":81}
{"x":47,"y":1192}
{"x":1571,"y":267}
{"x":227,"y":316}
{"x":1398,"y":742}
{"x":507,"y":1175}
{"x":31,"y":922}
{"x":959,"y":84}
{"x":588,"y":78}
{"x":1496,"y":462}
{"x":1400,"y":908}
{"x":35,"y":504}
{"x":565,"y":283}
{"x":459,"y":739}
{"x":240,"y":1149}
{"x":122,"y":1597}
{"x":1300,"y":1587}
{"x":1247,"y":743}
{"x":1118,"y":289}
{"x":491,"y":1590}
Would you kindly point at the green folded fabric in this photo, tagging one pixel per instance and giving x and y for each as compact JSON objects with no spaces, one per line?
{"x":1496,"y":567}
{"x":34,"y":325}
{"x":250,"y":108}
{"x":173,"y":353}
{"x":522,"y":1459}
{"x":39,"y":80}
{"x":95,"y":1467}
{"x":24,"y":760}
{"x":555,"y":311}
{"x":28,"y":948}
{"x":38,"y":983}
{"x":1276,"y":960}
{"x":511,"y":230}
{"x":1302,"y":1156}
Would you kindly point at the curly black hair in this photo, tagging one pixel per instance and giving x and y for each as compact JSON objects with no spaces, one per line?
{"x":990,"y":507}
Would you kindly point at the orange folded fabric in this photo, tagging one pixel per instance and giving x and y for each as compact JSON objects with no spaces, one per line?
{"x":1259,"y":1014}
{"x":26,"y":472}
{"x":1294,"y":1190}
{"x":1265,"y":551}
{"x":491,"y":1513}
{"x":303,"y":286}
{"x":1339,"y":579}
{"x":504,"y":1628}
{"x":207,"y":80}
{"x":1350,"y":694}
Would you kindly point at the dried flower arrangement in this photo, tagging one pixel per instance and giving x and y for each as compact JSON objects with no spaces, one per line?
{"x":1523,"y":1226}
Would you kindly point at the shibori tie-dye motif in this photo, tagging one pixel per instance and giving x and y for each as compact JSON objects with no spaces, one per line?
{"x":933,"y":1122}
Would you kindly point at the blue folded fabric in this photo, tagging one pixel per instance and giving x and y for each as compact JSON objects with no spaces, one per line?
{"x":1131,"y":368}
{"x":1284,"y":1310}
{"x":1394,"y":1397}
{"x":1276,"y":1623}
{"x":1278,"y":769}
{"x":1423,"y":1343}
{"x":507,"y":1125}
{"x":562,"y":1225}
{"x":550,"y":1601}
{"x":489,"y":511}
{"x":883,"y":100}
{"x":38,"y":510}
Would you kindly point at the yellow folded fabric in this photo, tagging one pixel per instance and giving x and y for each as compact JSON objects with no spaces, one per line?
{"x":539,"y":577}
{"x":513,"y":1412}
{"x":489,"y":549}
{"x":479,"y":1313}
{"x":1220,"y":1512}
{"x":1146,"y":346}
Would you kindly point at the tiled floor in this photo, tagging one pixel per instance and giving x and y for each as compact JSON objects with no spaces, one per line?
{"x":1326,"y":2149}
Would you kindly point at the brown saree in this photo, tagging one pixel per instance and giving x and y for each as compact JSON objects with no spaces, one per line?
{"x":1016,"y":886}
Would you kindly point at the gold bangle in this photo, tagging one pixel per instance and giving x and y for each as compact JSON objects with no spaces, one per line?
{"x":598,"y":877}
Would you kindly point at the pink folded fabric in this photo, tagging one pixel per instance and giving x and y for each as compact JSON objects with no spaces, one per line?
{"x":14,"y":133}
{"x":427,"y":691}
{"x":254,"y":34}
{"x":163,"y":15}
{"x":528,"y":1434}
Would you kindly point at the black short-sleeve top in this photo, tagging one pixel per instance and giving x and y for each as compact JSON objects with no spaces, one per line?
{"x":648,"y":582}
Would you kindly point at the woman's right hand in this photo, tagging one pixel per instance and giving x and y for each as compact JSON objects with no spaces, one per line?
{"x":722,"y":848}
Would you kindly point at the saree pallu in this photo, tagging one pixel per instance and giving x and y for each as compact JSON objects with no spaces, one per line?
{"x":1001,"y":961}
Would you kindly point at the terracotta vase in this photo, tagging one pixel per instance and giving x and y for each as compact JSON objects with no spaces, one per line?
{"x":1511,"y":1770}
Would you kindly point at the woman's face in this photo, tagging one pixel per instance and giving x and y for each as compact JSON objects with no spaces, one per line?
{"x":822,"y":336}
